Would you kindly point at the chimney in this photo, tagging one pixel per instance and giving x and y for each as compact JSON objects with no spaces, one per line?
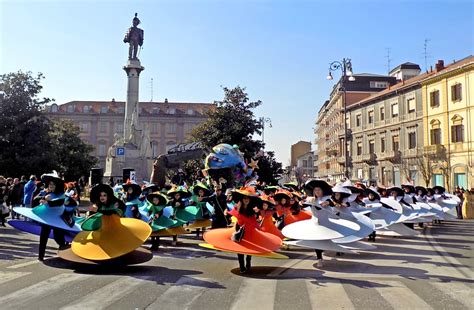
{"x":439,"y":65}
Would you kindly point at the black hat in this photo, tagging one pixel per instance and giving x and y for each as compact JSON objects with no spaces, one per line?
{"x":53,"y":177}
{"x":423,"y":190}
{"x":410,"y":187}
{"x":99,"y":188}
{"x":163,"y":200}
{"x":137,"y":190}
{"x":440,"y":189}
{"x":399,"y":191}
{"x":373,"y":191}
{"x":311,"y":184}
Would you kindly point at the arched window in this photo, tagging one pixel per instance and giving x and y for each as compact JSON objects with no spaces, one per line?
{"x":101,"y":148}
{"x":70,"y":108}
{"x":457,"y":129}
{"x":85,"y":109}
{"x":435,"y":132}
{"x":54,"y":108}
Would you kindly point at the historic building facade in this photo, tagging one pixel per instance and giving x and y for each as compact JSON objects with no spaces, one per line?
{"x":330,"y":122}
{"x":168,"y":123}
{"x":448,"y":118}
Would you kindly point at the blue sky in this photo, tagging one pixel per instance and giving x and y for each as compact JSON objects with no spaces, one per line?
{"x":278,"y":50}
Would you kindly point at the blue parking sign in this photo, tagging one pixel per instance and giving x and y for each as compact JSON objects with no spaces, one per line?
{"x":120,"y":151}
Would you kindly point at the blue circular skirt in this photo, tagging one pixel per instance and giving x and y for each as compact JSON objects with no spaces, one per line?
{"x":35,"y":229}
{"x":47,"y":215}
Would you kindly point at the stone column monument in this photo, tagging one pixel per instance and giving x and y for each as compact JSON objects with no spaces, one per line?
{"x":133,"y":149}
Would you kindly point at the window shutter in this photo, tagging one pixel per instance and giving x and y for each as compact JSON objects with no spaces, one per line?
{"x":461,"y":134}
{"x":453,"y":92}
{"x":458,"y":91}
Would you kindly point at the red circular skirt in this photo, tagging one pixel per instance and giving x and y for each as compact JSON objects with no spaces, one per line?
{"x":254,"y":241}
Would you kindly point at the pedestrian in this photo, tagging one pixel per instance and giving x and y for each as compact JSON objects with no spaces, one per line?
{"x":4,"y":210}
{"x":28,"y":191}
{"x":16,"y":196}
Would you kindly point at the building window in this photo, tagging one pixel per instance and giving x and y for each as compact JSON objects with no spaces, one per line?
{"x":371,"y":147}
{"x":305,"y":163}
{"x":412,"y":140}
{"x":394,"y":109}
{"x":101,"y":149}
{"x":120,"y":110}
{"x":154,"y":149}
{"x":85,"y":109}
{"x":434,"y":98}
{"x":119,"y":127}
{"x":359,"y":148}
{"x":154,"y":127}
{"x":103,"y":127}
{"x":372,"y":175}
{"x":435,"y":136}
{"x":171,"y":128}
{"x":395,"y":143}
{"x":378,"y":84}
{"x":171,"y":110}
{"x":411,"y":105}
{"x":358,"y":120}
{"x":54,"y":108}
{"x":370,"y":117}
{"x":360,"y":173}
{"x":84,"y":126}
{"x":190,"y":112}
{"x":382,"y":113}
{"x":104,"y":109}
{"x":456,"y":92}
{"x":188,"y":127}
{"x":156,"y":110}
{"x":70,"y":108}
{"x":382,"y":145}
{"x":457,"y":133}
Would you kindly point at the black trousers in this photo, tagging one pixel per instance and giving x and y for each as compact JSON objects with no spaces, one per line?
{"x":244,"y":262}
{"x":319,"y":254}
{"x":58,"y":237}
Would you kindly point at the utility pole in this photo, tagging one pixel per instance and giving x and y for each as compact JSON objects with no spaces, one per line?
{"x":151,"y":90}
{"x":425,"y":53}
{"x":389,"y":60}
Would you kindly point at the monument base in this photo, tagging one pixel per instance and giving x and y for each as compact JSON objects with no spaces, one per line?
{"x":127,"y":156}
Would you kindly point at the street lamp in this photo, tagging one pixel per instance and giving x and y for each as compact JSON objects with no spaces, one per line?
{"x":262,"y":121}
{"x":346,"y":69}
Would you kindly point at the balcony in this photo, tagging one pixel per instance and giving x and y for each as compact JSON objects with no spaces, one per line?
{"x":393,"y":156}
{"x":437,"y":151}
{"x":369,"y":158}
{"x":411,"y":152}
{"x":358,"y":158}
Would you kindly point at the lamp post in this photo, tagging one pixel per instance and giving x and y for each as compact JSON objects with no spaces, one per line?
{"x":346,"y":69}
{"x":262,"y":121}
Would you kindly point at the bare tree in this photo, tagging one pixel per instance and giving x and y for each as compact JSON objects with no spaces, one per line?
{"x":425,"y":164}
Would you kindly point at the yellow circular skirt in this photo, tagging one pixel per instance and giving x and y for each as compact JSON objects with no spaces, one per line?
{"x":116,"y":237}
{"x":200,"y":224}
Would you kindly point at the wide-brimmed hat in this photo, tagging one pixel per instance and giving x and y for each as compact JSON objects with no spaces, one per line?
{"x":268,"y":199}
{"x":311,"y":184}
{"x":439,"y":188}
{"x":137,"y":190}
{"x":202,"y":186}
{"x":291,"y":185}
{"x":270,"y":189}
{"x":179,"y":189}
{"x":354,"y":189}
{"x":360,"y":185}
{"x":282,"y":193}
{"x":150,"y":188}
{"x":99,"y":188}
{"x":297,"y":194}
{"x":341,"y":189}
{"x":162,"y":198}
{"x":246,"y":191}
{"x":53,"y":176}
{"x":423,"y":190}
{"x":400,"y":192}
{"x":410,"y":187}
{"x":373,"y":191}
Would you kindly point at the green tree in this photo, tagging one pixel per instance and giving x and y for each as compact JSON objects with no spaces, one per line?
{"x":25,"y":146}
{"x":232,"y":121}
{"x":269,"y":170}
{"x":72,"y":154}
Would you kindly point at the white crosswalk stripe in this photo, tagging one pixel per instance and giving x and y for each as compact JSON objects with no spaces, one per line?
{"x":256,"y":291}
{"x":188,"y":291}
{"x":324,"y":294}
{"x":107,"y":294}
{"x":458,"y":291}
{"x":181,"y":295}
{"x":9,"y":276}
{"x":399,"y":296}
{"x":41,"y":289}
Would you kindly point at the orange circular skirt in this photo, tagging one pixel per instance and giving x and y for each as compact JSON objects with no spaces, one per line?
{"x":302,"y":215}
{"x":254,"y":241}
{"x":269,"y":226}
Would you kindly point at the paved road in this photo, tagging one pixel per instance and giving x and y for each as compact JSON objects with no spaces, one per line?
{"x":430,"y":271}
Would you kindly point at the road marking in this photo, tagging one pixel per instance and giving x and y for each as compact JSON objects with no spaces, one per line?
{"x":8,"y":276}
{"x":328,"y":293}
{"x":108,"y":294}
{"x":255,"y":293}
{"x":39,"y":290}
{"x":181,"y":295}
{"x":291,"y":263}
{"x":399,"y":296}
{"x":23,"y":264}
{"x":458,"y":291}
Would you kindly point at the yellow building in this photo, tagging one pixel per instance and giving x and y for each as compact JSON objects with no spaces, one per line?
{"x":448,"y":115}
